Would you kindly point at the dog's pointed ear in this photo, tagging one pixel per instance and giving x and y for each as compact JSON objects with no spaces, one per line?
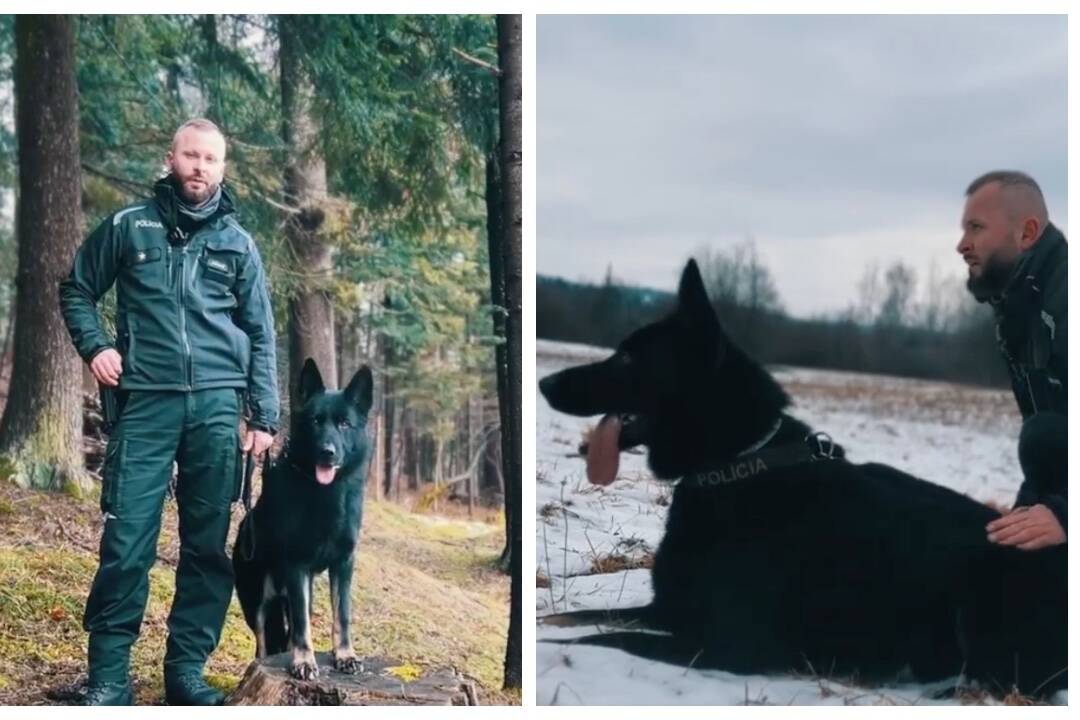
{"x":693,"y":300}
{"x":360,"y":388}
{"x":311,"y":381}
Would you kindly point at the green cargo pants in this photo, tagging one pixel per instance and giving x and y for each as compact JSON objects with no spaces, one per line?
{"x":199,"y":430}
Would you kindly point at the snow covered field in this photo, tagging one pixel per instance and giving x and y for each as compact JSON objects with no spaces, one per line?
{"x":593,"y":544}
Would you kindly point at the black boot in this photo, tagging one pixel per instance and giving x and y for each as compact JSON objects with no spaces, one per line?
{"x":107,"y":693}
{"x":190,"y":689}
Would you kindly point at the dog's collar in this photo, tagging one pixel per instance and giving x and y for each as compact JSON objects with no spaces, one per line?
{"x":765,"y":440}
{"x":758,"y":458}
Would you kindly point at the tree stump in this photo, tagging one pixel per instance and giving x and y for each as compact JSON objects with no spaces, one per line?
{"x":267,"y":682}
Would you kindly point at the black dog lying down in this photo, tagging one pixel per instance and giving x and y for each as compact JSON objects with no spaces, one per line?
{"x":307,"y":520}
{"x":779,"y":554}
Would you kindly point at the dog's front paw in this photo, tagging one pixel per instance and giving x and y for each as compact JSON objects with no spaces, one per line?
{"x":346,"y":661}
{"x":303,"y":665}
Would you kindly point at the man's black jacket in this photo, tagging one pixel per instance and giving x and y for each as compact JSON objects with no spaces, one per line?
{"x":1032,"y":319}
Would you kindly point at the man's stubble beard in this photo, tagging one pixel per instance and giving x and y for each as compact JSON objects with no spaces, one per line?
{"x":199,"y":198}
{"x":993,"y":280}
{"x":180,"y":184}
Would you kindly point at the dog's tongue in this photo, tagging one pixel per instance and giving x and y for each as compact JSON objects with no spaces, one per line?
{"x":324,"y":474}
{"x":602,"y":461}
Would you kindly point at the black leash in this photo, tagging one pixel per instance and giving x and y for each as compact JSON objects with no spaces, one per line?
{"x":248,"y":552}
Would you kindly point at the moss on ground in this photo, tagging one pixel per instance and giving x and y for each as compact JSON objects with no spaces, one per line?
{"x":424,"y":594}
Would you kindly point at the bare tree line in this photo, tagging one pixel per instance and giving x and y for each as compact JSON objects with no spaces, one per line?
{"x":900,"y":322}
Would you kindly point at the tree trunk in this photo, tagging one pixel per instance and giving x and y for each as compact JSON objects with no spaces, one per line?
{"x":496,"y":254}
{"x":211,"y":90}
{"x":376,"y":420}
{"x":374,"y":432}
{"x":398,"y":451}
{"x":470,"y":484}
{"x":311,"y":312}
{"x":375,"y":464}
{"x":341,"y":339}
{"x":509,"y":28}
{"x":41,"y":429}
{"x":493,"y":470}
{"x":388,"y":410}
{"x":350,"y":345}
{"x":267,"y":682}
{"x":437,"y":476}
{"x":8,"y":328}
{"x":412,"y":442}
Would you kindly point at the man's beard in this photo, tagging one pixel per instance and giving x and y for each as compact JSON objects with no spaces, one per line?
{"x":196,"y":198}
{"x":993,"y":280}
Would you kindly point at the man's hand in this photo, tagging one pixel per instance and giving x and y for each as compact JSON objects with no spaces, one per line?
{"x":259,"y":440}
{"x":106,"y":367}
{"x":1028,"y":528}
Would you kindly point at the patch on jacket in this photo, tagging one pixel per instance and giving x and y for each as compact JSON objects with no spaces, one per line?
{"x":1048,"y":320}
{"x":218,"y":264}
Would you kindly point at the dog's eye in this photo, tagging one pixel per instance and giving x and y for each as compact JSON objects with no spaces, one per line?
{"x":342,"y":424}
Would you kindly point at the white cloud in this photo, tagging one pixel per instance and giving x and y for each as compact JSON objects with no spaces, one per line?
{"x":831,"y":139}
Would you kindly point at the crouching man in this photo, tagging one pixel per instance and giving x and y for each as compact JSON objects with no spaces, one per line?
{"x":1017,"y":261}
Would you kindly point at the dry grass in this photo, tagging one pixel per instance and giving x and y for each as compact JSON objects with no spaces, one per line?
{"x":549,"y":510}
{"x":425,"y":592}
{"x":891,"y":397}
{"x":1015,"y":698}
{"x":852,"y":690}
{"x":616,"y":562}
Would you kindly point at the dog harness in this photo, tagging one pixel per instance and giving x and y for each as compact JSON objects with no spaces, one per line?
{"x":759,"y":458}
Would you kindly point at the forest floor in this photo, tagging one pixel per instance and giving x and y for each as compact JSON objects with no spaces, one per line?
{"x":425,"y":592}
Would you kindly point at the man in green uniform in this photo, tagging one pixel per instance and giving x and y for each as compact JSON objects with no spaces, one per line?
{"x":195,"y":340}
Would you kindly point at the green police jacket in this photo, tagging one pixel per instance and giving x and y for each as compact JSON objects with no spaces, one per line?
{"x":191,"y":314}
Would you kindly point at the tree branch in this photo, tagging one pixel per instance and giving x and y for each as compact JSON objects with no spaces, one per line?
{"x":477,"y":61}
{"x":265,"y":197}
{"x":122,"y":183}
{"x":480,"y":452}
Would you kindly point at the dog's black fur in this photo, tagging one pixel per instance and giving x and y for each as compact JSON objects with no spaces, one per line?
{"x":828,"y":567}
{"x":302,"y":527}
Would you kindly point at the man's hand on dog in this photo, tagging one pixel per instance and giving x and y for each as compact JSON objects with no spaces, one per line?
{"x":106,"y":367}
{"x":259,"y":440}
{"x":1027,"y":528}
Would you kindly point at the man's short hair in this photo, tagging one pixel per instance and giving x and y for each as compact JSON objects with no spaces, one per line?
{"x":1007,"y":178}
{"x":199,"y":124}
{"x":1016,"y":181}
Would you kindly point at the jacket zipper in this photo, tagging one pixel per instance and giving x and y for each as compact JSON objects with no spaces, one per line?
{"x":183,"y":317}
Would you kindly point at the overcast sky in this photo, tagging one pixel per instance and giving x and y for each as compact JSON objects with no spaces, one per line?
{"x":833,"y":141}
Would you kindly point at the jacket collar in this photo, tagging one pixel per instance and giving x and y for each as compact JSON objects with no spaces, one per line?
{"x":1044,"y":251}
{"x":167,"y":201}
{"x":1034,"y":264}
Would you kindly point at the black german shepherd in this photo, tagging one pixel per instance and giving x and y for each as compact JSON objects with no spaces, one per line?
{"x":781,"y":555}
{"x":307,"y":520}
